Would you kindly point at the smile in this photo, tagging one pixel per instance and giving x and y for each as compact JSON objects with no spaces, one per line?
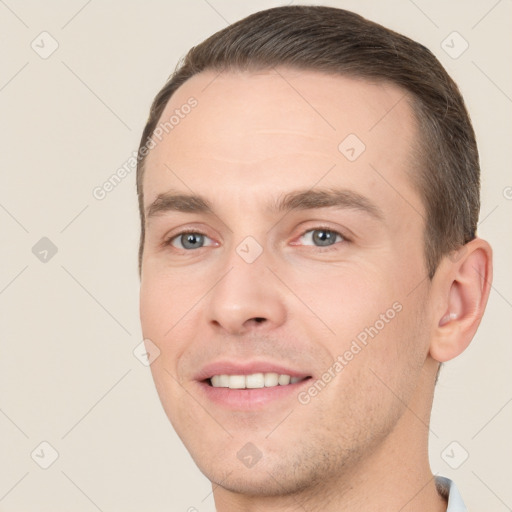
{"x":253,"y":380}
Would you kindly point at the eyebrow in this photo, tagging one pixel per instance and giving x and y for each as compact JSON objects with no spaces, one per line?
{"x":295,"y":200}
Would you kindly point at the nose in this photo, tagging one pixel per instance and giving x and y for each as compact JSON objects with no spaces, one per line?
{"x":247,"y":297}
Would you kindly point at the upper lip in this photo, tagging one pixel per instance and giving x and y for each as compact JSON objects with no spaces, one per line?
{"x":246,"y":368}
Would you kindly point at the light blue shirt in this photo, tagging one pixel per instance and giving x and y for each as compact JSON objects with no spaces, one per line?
{"x":449,"y":490}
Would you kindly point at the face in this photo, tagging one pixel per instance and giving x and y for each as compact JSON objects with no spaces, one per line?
{"x":294,"y":282}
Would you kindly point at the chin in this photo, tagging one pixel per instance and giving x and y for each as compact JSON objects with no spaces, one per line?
{"x":256,"y":482}
{"x":274,"y":474}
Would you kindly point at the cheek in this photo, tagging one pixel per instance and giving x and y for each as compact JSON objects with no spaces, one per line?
{"x":154,"y":302}
{"x":163,"y":316}
{"x":166,"y":301}
{"x":373,"y":324}
{"x":161,"y":308}
{"x":381,"y":365}
{"x":347,"y":300}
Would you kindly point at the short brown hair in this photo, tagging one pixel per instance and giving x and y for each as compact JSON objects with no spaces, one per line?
{"x":335,"y":41}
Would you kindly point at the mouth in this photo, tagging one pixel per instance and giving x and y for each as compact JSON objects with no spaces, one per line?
{"x":250,"y":386}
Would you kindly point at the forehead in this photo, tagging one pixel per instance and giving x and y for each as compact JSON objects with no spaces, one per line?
{"x":276,"y":130}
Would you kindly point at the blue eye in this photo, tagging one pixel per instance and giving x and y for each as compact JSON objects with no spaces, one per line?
{"x":188,"y":240}
{"x":320,"y":237}
{"x":323,"y":237}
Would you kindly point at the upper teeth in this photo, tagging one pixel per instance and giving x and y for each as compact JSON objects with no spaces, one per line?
{"x":254,"y":380}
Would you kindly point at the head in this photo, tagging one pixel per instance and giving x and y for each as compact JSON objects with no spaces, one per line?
{"x":329,"y":168}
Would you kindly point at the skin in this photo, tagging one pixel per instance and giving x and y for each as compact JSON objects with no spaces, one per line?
{"x":260,"y":135}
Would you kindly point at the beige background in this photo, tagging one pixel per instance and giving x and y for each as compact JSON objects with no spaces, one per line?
{"x":68,"y":375}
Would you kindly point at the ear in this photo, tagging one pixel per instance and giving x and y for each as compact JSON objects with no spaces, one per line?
{"x":462,"y":290}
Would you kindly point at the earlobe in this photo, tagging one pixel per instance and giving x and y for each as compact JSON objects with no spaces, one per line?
{"x":466,"y":287}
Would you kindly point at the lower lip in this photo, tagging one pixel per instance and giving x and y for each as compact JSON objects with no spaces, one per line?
{"x":251,"y":399}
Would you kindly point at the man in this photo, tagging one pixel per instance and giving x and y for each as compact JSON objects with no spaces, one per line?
{"x":309,"y":192}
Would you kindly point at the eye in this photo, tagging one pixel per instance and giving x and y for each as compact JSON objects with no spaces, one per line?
{"x":321,"y":237}
{"x":188,"y":240}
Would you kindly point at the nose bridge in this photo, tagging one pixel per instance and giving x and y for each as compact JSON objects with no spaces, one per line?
{"x":247,"y":291}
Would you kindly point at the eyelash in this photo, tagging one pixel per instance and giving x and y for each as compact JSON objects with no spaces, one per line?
{"x":168,"y":241}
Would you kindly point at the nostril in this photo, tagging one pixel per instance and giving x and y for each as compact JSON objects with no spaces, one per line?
{"x":259,"y":319}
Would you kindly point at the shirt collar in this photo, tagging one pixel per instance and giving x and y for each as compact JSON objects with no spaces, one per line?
{"x":448,"y":490}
